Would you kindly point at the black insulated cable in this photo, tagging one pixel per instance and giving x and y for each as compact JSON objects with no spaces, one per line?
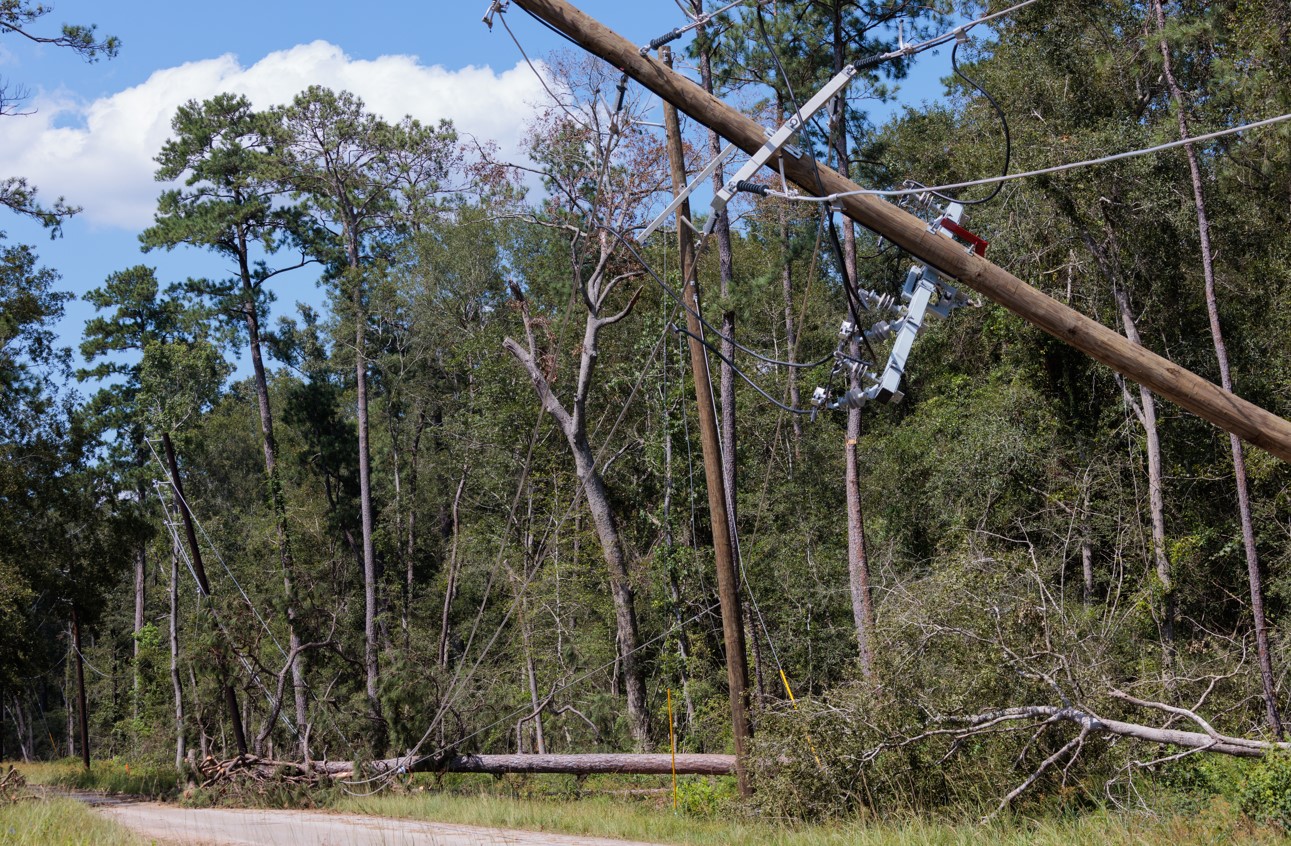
{"x":1004,"y":122}
{"x":738,"y":372}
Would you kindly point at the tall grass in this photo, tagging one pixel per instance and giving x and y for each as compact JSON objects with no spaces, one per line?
{"x":1217,"y":822}
{"x":106,"y":776}
{"x":59,"y":822}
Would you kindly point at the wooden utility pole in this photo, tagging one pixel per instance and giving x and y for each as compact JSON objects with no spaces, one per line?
{"x":728,"y":586}
{"x":204,"y":585}
{"x":1205,"y":399}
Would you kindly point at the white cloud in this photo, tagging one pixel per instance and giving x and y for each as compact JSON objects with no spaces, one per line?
{"x":99,"y":155}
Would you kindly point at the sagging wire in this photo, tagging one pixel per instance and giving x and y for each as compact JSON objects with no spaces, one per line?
{"x":738,"y":372}
{"x":696,"y":21}
{"x":909,"y":192}
{"x":672,"y":293}
{"x":1004,"y":124}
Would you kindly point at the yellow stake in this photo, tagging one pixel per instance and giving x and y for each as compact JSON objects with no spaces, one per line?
{"x":794,"y":703}
{"x":672,"y":743}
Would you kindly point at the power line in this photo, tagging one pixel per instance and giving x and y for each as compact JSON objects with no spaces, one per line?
{"x":906,"y":192}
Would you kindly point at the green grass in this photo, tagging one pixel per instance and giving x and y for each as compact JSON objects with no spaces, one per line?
{"x":105,"y":776}
{"x":59,"y":822}
{"x":601,"y":816}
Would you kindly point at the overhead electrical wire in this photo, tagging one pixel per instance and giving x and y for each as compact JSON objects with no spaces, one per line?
{"x":907,"y":192}
{"x":1004,"y":124}
{"x":738,"y":372}
{"x":672,"y":293}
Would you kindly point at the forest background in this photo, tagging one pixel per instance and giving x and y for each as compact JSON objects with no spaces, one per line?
{"x":397,"y":543}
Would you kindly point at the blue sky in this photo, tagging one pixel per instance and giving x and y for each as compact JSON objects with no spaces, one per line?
{"x":98,"y":126}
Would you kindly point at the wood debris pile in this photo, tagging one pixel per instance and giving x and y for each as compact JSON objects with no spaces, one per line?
{"x":251,"y":771}
{"x":13,"y":787}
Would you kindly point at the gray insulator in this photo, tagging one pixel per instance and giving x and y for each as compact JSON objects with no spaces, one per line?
{"x":878,"y":332}
{"x":855,"y":398}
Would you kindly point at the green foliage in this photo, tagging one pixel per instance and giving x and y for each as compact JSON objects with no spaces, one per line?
{"x":1265,"y":792}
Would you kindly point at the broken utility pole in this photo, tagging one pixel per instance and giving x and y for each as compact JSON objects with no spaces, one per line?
{"x":1205,"y":399}
{"x":728,"y":586}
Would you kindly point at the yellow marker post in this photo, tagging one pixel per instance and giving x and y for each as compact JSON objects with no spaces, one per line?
{"x":672,"y":743}
{"x":794,"y":703}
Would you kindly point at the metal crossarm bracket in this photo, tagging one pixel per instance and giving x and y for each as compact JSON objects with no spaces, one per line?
{"x":700,"y":179}
{"x":926,"y":295}
{"x":780,"y":138}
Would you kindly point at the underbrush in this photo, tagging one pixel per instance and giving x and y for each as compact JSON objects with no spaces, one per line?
{"x":158,"y":781}
{"x":58,"y":822}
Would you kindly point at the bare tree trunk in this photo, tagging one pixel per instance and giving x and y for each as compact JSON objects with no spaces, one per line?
{"x":276,"y":498}
{"x":22,"y":733}
{"x":175,"y":682}
{"x":450,"y":589}
{"x":83,"y":718}
{"x":573,"y":424}
{"x":1253,"y":570}
{"x":1087,"y":569}
{"x":140,"y":573}
{"x":69,"y":694}
{"x":598,"y":503}
{"x":370,"y":656}
{"x":199,"y":572}
{"x":858,"y":561}
{"x":1146,"y":411}
{"x":531,"y":677}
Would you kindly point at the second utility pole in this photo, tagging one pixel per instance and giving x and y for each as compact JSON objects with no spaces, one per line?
{"x":728,"y":585}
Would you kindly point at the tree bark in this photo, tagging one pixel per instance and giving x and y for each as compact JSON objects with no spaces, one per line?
{"x":1146,"y":411}
{"x":82,"y":709}
{"x":574,"y":427}
{"x":176,"y":685}
{"x":858,"y":559}
{"x":591,"y":764}
{"x":277,"y":501}
{"x":450,"y":589}
{"x":371,"y":664}
{"x":140,"y":588}
{"x":1254,"y":573}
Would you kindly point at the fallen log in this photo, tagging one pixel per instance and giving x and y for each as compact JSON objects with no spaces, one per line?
{"x":586,"y":764}
{"x":592,"y":764}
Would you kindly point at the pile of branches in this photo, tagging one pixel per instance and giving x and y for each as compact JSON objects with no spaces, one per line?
{"x":258,"y":774}
{"x":13,"y":787}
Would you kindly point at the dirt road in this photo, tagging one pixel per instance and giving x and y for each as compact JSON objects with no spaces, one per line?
{"x":226,"y":827}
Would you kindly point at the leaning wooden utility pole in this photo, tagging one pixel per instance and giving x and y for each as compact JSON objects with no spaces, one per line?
{"x":728,"y":586}
{"x":1208,"y":401}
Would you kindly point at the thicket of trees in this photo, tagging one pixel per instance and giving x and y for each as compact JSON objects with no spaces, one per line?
{"x":456,"y":502}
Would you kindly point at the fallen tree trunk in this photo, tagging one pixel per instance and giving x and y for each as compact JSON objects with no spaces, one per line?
{"x":1206,"y":740}
{"x":589,"y":764}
